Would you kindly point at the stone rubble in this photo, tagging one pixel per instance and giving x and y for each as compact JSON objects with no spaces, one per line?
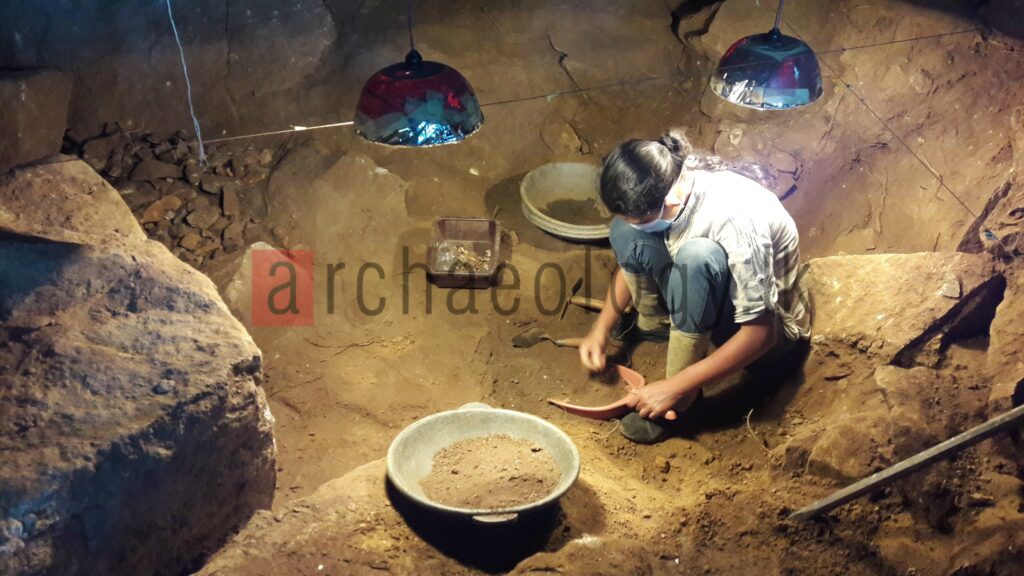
{"x":198,"y":212}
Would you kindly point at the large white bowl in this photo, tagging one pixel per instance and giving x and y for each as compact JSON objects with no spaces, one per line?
{"x":563,"y":181}
{"x":411,"y":454}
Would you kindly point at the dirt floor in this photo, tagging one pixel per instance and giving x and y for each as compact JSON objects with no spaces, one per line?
{"x":713,"y":500}
{"x":898,"y":156}
{"x":387,"y":348}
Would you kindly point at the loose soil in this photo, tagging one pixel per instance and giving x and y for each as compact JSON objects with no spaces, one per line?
{"x":579,"y":212}
{"x":491,"y":472}
{"x":596,"y":390}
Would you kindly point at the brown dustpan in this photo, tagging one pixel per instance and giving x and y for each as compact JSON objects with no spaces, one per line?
{"x":615,"y":410}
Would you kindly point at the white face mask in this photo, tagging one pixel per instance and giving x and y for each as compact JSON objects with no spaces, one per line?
{"x":656,"y":225}
{"x":659,"y":225}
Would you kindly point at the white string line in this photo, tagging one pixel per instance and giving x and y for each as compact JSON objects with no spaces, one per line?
{"x":285,"y":131}
{"x":188,"y":86}
{"x":624,"y":83}
{"x":935,"y":174}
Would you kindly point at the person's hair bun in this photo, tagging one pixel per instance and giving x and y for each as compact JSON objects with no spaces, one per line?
{"x":677,"y":143}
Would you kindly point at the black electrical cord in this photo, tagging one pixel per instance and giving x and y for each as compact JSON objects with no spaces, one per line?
{"x":408,"y":14}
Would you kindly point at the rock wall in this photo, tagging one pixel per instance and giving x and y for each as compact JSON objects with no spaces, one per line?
{"x":900,"y":154}
{"x":246,"y":59}
{"x":134,"y":431}
{"x":872,"y":166}
{"x":33,"y":115}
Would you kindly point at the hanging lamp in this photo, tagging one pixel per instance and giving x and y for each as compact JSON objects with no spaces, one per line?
{"x":769,"y":71}
{"x":417,"y":103}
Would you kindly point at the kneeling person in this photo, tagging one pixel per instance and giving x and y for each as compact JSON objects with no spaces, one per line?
{"x":701,"y":249}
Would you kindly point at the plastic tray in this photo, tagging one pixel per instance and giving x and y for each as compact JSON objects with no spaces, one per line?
{"x":478,"y":233}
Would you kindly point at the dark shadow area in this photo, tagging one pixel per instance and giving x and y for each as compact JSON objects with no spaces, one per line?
{"x":580,"y":513}
{"x":970,"y":318}
{"x":498,"y":547}
{"x":1002,"y":15}
{"x":760,"y":386}
{"x":698,"y":14}
{"x":28,"y":262}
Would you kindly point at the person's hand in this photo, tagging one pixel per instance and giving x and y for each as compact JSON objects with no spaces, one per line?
{"x":655,"y":400}
{"x":592,"y":350}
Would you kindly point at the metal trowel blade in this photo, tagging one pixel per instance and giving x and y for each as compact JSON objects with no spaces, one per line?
{"x":530,"y":337}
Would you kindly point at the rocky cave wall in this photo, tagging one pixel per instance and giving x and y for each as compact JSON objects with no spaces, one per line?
{"x":134,"y":432}
{"x":864,"y":169}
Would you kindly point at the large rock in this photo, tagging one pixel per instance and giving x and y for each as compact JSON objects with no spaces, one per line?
{"x":347,"y":526}
{"x":898,"y":414}
{"x":33,"y":115}
{"x":887,"y":308}
{"x":134,"y":431}
{"x":1005,"y":361}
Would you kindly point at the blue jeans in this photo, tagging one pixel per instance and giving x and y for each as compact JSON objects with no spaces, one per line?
{"x":694,"y":284}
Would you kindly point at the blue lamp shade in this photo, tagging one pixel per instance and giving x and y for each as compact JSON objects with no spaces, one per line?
{"x":768,"y":71}
{"x":417,"y":103}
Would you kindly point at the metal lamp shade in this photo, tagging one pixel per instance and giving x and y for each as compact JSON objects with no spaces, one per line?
{"x":768,"y":71}
{"x":417,"y":103}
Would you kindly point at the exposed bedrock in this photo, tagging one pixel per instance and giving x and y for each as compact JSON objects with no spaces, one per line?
{"x":134,"y":433}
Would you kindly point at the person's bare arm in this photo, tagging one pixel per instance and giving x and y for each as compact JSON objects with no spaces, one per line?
{"x":592,"y":349}
{"x":753,"y":339}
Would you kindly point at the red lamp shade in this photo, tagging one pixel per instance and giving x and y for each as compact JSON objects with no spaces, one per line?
{"x":768,"y":71}
{"x":417,"y":103}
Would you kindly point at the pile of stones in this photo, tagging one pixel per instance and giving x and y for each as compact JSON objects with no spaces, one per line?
{"x":200,"y":211}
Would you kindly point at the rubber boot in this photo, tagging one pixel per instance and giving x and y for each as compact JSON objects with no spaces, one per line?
{"x":652,"y":320}
{"x":683,"y":350}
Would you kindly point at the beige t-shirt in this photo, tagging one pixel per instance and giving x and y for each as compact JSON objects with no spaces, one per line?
{"x":760,"y":238}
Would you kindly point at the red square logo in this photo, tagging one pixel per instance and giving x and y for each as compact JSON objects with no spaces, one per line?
{"x":282,"y":288}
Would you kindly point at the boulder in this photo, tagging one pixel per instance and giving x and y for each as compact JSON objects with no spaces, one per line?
{"x":885,"y":308}
{"x":852,"y":447}
{"x":351,"y":524}
{"x":871,"y":425}
{"x":1006,"y":350}
{"x":234,"y":279}
{"x":33,"y":115}
{"x":66,"y":202}
{"x":919,"y":401}
{"x":134,"y":431}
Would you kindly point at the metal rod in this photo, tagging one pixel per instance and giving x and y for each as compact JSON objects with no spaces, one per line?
{"x":914,"y":463}
{"x":778,"y":14}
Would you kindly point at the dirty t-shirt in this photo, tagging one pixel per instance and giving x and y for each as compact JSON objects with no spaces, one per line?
{"x":760,"y":238}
